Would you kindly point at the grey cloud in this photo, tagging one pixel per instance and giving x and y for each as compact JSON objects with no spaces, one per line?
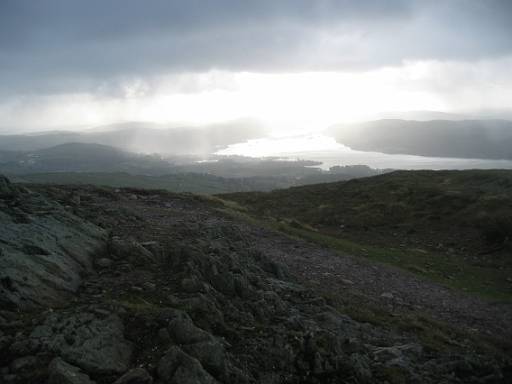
{"x":50,"y":46}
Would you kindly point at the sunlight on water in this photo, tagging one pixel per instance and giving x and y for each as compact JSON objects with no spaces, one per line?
{"x":283,"y":145}
{"x":326,"y":150}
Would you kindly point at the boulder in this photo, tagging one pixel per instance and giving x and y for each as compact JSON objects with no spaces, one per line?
{"x":95,"y":345}
{"x":131,"y":251}
{"x":184,"y":331}
{"x":60,"y":372}
{"x":360,"y":364}
{"x":7,"y":190}
{"x":177,"y":367}
{"x":170,"y":362}
{"x":103,"y":262}
{"x":24,"y":364}
{"x":191,"y":372}
{"x":210,"y":354}
{"x":135,"y":376}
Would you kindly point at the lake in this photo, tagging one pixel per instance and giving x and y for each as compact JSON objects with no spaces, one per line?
{"x":327,"y":151}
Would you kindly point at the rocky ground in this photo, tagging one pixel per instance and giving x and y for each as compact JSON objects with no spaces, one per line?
{"x":177,"y":290}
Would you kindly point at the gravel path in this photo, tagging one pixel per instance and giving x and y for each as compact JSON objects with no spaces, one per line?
{"x":389,"y":287}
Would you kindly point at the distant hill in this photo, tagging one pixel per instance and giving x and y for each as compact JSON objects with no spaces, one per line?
{"x":144,"y":137}
{"x":80,"y":157}
{"x":482,"y":139}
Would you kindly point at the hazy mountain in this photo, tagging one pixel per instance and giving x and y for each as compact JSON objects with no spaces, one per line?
{"x":145,"y":137}
{"x":423,"y":115}
{"x":485,"y":139}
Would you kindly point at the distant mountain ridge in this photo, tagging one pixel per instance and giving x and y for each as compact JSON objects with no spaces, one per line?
{"x":481,"y":139}
{"x":144,"y":137}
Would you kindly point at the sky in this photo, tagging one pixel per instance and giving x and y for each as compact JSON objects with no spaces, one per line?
{"x":296,"y":65}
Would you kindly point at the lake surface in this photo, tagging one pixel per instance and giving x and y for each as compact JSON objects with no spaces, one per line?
{"x":325,"y":150}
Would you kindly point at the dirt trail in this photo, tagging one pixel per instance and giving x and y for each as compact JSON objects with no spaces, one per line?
{"x":390,"y":288}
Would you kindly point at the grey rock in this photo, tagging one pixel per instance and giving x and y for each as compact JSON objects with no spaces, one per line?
{"x":155,"y":248}
{"x":191,"y":285}
{"x":103,"y":262}
{"x":203,"y":307}
{"x":184,"y":331}
{"x":135,"y":376}
{"x":5,"y":342}
{"x":223,"y":282}
{"x":24,"y":347}
{"x":149,"y":286}
{"x":360,"y":364}
{"x":177,"y":367}
{"x":43,"y":256}
{"x":242,"y":287}
{"x":163,"y":335}
{"x":9,"y":378}
{"x":130,"y":250}
{"x":60,"y":372}
{"x":210,"y":354}
{"x":24,"y":364}
{"x":101,"y":312}
{"x":191,"y":372}
{"x":397,"y":355}
{"x":170,"y":362}
{"x":95,"y":345}
{"x":6,"y":188}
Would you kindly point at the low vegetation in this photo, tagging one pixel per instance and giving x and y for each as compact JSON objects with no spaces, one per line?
{"x":450,"y":226}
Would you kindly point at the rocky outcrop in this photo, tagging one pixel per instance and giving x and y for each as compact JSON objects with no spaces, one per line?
{"x":183,"y":294}
{"x":7,"y":190}
{"x":44,"y":249}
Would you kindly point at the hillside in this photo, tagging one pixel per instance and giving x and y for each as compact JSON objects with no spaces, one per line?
{"x":431,"y":222}
{"x":184,"y":290}
{"x":479,"y":139}
{"x":80,"y":157}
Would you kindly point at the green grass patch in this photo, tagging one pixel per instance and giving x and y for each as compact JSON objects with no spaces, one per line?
{"x":449,"y":270}
{"x":434,"y":335}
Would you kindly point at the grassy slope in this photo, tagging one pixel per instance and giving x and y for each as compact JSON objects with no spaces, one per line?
{"x":451,"y":226}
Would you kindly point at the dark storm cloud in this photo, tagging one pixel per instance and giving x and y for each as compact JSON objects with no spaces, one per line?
{"x":66,"y":45}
